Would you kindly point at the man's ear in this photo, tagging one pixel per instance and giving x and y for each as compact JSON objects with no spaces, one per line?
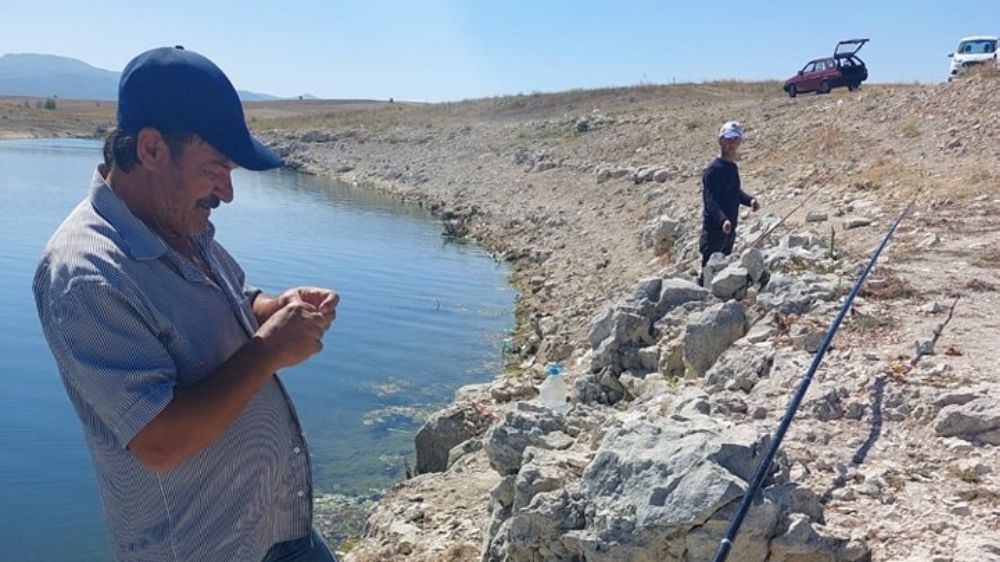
{"x":151,"y":149}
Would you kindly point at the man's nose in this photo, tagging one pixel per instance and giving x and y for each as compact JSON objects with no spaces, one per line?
{"x":224,"y":189}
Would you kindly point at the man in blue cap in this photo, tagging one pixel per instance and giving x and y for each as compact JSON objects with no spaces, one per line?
{"x":722,"y":195}
{"x":167,"y":354}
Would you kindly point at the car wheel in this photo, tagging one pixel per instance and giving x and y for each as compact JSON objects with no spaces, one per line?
{"x":854,"y":87}
{"x":824,"y":87}
{"x":792,"y":91}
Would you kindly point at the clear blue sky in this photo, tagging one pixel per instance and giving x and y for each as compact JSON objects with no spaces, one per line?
{"x":449,"y":50}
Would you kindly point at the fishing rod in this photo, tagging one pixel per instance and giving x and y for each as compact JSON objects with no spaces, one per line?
{"x":788,"y":214}
{"x":779,"y":434}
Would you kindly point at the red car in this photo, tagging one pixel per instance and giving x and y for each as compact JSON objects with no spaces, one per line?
{"x":844,"y":69}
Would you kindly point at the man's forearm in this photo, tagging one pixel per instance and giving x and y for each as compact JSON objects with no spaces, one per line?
{"x":201,"y":412}
{"x":264,"y":307}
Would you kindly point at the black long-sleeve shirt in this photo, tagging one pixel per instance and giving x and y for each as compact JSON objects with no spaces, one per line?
{"x":722,"y":194}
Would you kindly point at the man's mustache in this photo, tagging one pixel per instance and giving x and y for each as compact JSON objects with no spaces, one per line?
{"x":210,"y":202}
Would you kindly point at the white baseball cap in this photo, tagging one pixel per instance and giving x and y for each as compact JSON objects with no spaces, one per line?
{"x":731,"y":130}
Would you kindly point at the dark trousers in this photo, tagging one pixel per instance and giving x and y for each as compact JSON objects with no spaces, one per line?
{"x":712,"y":241}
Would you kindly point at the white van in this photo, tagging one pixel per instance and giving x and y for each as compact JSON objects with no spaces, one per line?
{"x":971,"y":51}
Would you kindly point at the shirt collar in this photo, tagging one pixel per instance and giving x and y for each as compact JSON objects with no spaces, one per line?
{"x":142,"y":243}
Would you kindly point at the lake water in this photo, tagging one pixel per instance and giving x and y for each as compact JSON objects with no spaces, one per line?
{"x":418,"y":318}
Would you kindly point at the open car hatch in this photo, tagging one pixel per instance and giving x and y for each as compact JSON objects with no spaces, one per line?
{"x":849,"y":47}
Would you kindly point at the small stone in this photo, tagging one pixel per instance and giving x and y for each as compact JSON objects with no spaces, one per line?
{"x":925,"y":346}
{"x":662,"y":175}
{"x":931,"y":308}
{"x":816,"y":216}
{"x":803,"y":241}
{"x":928,"y":241}
{"x":961,"y":509}
{"x":856,"y":222}
{"x":760,"y":334}
{"x":806,"y":337}
{"x":843,"y":494}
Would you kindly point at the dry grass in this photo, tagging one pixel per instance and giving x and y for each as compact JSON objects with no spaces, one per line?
{"x":910,"y":130}
{"x":980,"y":286}
{"x":892,"y":287}
{"x":28,"y":117}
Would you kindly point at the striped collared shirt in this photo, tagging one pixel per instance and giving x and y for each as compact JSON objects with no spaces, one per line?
{"x":128,"y":319}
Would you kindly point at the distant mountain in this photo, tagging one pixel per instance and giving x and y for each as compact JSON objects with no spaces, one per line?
{"x":35,"y":75}
{"x":48,"y":75}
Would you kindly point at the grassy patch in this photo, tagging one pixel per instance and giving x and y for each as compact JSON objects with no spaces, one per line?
{"x":968,"y":475}
{"x":911,"y":130}
{"x":980,"y":286}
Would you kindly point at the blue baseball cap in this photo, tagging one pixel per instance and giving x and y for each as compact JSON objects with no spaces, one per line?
{"x":175,"y":90}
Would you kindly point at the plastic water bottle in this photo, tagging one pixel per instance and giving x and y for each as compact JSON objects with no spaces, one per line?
{"x":553,"y":392}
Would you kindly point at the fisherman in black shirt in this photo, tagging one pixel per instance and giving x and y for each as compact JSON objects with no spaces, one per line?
{"x":723,"y":196}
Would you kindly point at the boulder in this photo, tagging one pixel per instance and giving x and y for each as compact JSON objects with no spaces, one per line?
{"x":977,"y":419}
{"x":806,"y":337}
{"x":661,"y":233}
{"x":716,"y":263}
{"x":657,"y":492}
{"x":649,"y":486}
{"x":708,"y":335}
{"x":647,"y":289}
{"x":675,"y":292}
{"x":600,"y":328}
{"x":731,"y":282}
{"x":752,"y":260}
{"x":629,"y":331}
{"x":795,"y":295}
{"x":740,"y":368}
{"x":827,"y":403}
{"x":445,"y":430}
{"x":802,"y":542}
{"x":529,"y":425}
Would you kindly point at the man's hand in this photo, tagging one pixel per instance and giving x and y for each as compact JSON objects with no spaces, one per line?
{"x":293,"y":334}
{"x":754,"y":205}
{"x":727,"y":226}
{"x":324,"y":300}
{"x":295,"y":331}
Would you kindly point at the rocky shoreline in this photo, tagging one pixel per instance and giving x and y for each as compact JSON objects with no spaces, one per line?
{"x":592,"y":197}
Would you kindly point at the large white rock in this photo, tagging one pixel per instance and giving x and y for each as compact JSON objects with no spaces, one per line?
{"x":978,"y":419}
{"x":708,"y":335}
{"x":753,"y":261}
{"x":731,"y":282}
{"x":443,"y":431}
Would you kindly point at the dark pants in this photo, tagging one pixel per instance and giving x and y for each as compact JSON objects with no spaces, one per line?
{"x":712,"y":241}
{"x":715,"y":241}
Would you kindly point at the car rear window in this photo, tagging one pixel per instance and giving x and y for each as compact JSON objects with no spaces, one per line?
{"x":977,"y":47}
